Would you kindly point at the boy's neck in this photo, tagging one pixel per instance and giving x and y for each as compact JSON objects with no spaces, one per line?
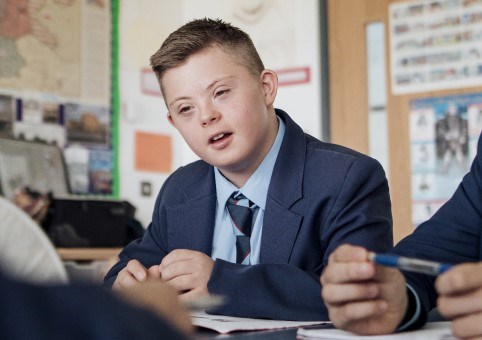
{"x":238,"y":181}
{"x":240,"y":178}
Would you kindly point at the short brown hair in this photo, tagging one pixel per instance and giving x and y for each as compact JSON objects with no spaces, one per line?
{"x":200,"y":34}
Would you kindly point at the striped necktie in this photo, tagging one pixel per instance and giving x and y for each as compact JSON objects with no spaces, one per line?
{"x":241,"y":210}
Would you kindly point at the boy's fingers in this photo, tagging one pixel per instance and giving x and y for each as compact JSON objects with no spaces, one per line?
{"x":181,"y":283}
{"x":346,"y":264}
{"x":358,"y":311}
{"x":153,"y":272}
{"x":468,"y":327}
{"x":177,"y":255}
{"x":348,"y":253}
{"x":452,"y":306}
{"x":348,"y":272}
{"x":339,"y":294}
{"x":135,"y":268}
{"x":125,"y":280}
{"x":460,"y":278}
{"x":176,"y":269}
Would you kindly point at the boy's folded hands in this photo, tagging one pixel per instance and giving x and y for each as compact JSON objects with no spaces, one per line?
{"x":187,"y":271}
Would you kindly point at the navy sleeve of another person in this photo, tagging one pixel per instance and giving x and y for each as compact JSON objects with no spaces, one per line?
{"x":452,"y":235}
{"x":73,"y":312}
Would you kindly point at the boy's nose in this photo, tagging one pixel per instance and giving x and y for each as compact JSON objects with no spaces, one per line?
{"x":209,"y":116}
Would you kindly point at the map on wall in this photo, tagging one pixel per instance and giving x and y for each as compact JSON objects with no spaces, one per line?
{"x":40,"y":42}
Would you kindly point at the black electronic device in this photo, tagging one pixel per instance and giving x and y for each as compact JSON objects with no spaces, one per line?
{"x":71,"y":221}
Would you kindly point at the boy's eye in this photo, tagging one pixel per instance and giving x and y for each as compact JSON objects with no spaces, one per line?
{"x":221,"y":92}
{"x":184,"y":109}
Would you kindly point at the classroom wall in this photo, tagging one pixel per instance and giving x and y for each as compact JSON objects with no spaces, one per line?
{"x":286,"y":34}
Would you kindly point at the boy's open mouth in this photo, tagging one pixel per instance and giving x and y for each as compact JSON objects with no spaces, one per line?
{"x":219,"y":137}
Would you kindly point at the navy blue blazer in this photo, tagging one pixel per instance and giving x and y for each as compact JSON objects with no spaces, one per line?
{"x":320,"y":196}
{"x":453,"y":234}
{"x":73,"y":312}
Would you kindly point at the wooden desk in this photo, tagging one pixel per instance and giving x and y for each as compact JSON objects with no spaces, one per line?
{"x":87,"y":254}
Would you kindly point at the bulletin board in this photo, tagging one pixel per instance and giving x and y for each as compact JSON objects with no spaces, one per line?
{"x":58,"y":84}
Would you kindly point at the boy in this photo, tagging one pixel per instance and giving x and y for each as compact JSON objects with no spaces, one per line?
{"x":298,"y":198}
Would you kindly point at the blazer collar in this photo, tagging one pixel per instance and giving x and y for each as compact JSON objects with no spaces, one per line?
{"x":286,"y":181}
{"x":281,"y":225}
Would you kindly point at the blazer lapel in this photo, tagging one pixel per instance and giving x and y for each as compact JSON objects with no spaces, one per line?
{"x":281,"y":225}
{"x":279,"y":233}
{"x":191,"y":225}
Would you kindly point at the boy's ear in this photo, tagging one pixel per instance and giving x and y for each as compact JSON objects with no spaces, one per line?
{"x":269,"y":81}
{"x":169,"y":118}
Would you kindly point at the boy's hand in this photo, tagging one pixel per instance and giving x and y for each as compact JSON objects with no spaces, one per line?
{"x":188,"y":271}
{"x":460,"y":299}
{"x":362,"y":297}
{"x":135,"y":272}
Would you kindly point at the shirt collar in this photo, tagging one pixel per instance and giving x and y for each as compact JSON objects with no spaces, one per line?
{"x":256,"y":188}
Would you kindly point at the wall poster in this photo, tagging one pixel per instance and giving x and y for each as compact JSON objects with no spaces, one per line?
{"x":443,"y":142}
{"x":435,"y":45}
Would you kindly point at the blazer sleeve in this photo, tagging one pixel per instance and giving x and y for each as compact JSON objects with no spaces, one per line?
{"x":73,"y":312}
{"x":360,"y":214}
{"x":150,"y":249}
{"x":452,"y":235}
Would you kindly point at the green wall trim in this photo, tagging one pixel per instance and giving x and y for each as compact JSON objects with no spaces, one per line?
{"x":115,"y":97}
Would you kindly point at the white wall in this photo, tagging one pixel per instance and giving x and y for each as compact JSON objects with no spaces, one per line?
{"x":286,"y":33}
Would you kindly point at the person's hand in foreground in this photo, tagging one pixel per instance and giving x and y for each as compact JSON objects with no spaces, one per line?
{"x":460,"y":299}
{"x":133,"y":273}
{"x":158,"y":297}
{"x":362,"y":297}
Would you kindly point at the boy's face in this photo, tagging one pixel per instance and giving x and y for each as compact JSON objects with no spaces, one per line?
{"x":223,"y":111}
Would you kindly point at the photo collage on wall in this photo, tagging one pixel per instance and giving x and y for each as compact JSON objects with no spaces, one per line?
{"x":81,"y":130}
{"x":443,"y":142}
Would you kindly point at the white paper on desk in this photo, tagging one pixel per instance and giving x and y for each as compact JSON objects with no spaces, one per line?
{"x":432,"y":330}
{"x":225,"y":324}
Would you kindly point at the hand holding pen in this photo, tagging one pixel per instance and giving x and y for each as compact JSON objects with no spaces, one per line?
{"x":362,"y":297}
{"x":459,"y":290}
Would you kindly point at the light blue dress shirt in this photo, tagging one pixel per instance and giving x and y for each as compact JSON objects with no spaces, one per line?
{"x":256,"y":190}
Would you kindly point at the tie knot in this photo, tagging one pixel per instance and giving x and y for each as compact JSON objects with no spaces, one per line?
{"x":241,"y":212}
{"x":240,"y":200}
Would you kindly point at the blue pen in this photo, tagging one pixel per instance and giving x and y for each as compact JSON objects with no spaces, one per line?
{"x":409,"y":264}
